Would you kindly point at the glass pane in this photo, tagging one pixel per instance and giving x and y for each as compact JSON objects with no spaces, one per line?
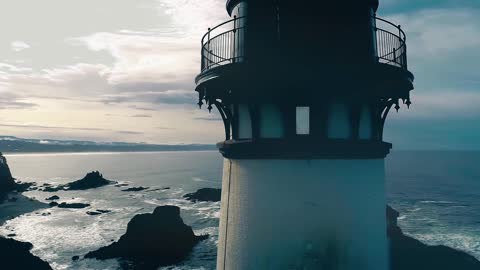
{"x":303,"y":120}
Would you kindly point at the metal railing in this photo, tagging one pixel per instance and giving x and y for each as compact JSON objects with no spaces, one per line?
{"x":391,"y":43}
{"x":223,"y":44}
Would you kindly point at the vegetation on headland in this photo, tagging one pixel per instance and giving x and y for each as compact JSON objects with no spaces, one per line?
{"x":18,"y":145}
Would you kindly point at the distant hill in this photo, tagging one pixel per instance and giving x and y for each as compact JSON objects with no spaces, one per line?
{"x":10,"y":144}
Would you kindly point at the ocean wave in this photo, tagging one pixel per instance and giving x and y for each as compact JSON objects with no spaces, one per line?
{"x":438,"y":202}
{"x":198,"y":179}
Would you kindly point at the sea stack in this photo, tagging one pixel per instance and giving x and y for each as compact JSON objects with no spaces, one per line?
{"x":7,"y":182}
{"x":153,"y":240}
{"x":304,"y":89}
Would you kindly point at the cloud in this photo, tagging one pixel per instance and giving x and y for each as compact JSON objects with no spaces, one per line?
{"x":13,"y":102}
{"x":18,"y":46}
{"x":141,"y":116}
{"x":13,"y":68}
{"x":443,"y":50}
{"x":434,"y":32}
{"x":165,"y":97}
{"x":147,"y":59}
{"x":209,"y":118}
{"x":91,"y":83}
{"x":194,"y":16}
{"x":13,"y":105}
{"x":135,"y":107}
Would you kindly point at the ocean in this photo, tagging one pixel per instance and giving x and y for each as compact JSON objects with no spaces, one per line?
{"x":437,"y":194}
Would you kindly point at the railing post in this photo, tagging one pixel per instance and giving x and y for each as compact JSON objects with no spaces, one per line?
{"x":234,"y":51}
{"x":402,"y":44}
{"x":208,"y":48}
{"x":202,"y":58}
{"x":405,"y":64}
{"x":394,"y":55}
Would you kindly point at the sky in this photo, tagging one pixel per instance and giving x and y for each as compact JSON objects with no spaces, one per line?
{"x":123,"y":70}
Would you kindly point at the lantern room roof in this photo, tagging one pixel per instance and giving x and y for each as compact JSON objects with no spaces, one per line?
{"x":232,"y":3}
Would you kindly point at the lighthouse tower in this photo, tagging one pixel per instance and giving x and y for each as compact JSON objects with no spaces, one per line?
{"x":304,"y":88}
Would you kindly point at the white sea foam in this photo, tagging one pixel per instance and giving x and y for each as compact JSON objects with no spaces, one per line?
{"x":438,"y":202}
{"x":465,"y":241}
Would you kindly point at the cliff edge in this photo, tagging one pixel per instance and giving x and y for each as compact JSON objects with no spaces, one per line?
{"x":407,"y":253}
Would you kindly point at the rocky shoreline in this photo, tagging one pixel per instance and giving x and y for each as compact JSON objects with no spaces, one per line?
{"x":16,"y":255}
{"x":162,"y":238}
{"x":407,"y":253}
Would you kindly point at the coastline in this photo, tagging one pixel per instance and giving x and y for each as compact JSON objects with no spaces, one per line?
{"x":22,"y":205}
{"x":19,"y":154}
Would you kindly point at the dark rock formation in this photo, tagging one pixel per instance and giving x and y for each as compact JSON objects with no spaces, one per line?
{"x":158,"y":189}
{"x":53,"y":198}
{"x":7,"y":182}
{"x":73,"y":205}
{"x":205,"y":195}
{"x":135,"y":189}
{"x":53,"y":204}
{"x":152,"y":240}
{"x":407,"y":253}
{"x":51,"y":189}
{"x":97,"y":212}
{"x":75,"y":258}
{"x":16,"y":255}
{"x":91,"y":180}
{"x":22,"y":187}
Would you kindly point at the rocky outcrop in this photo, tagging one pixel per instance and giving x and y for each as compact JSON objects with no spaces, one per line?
{"x":158,"y":189}
{"x":135,"y":189}
{"x":16,"y":255}
{"x":407,"y":253}
{"x":205,"y":195}
{"x":53,"y":198}
{"x":97,"y":212}
{"x":152,"y":240}
{"x":91,"y":180}
{"x":73,"y":205}
{"x":7,"y":182}
{"x":53,"y":204}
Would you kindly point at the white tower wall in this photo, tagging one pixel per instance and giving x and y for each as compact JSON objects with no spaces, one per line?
{"x":303,"y":214}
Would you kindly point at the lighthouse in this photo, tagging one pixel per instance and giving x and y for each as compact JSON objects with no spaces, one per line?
{"x":304,"y":88}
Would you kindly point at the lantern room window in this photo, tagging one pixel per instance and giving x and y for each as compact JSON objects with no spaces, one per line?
{"x":303,"y":120}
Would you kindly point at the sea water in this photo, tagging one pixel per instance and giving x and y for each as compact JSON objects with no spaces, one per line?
{"x":437,"y":193}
